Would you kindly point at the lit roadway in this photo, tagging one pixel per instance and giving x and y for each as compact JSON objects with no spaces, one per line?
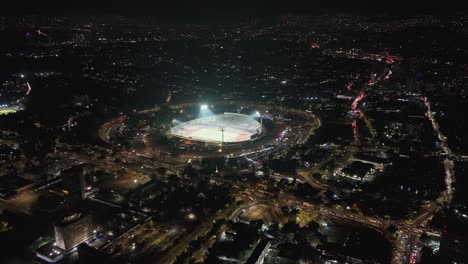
{"x":201,"y":230}
{"x":405,"y":244}
{"x":448,"y":162}
{"x":406,"y":249}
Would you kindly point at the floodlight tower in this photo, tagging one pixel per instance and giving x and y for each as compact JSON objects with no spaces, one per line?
{"x":257,"y":113}
{"x":222,"y":136}
{"x":203,"y":109}
{"x":222,"y":139}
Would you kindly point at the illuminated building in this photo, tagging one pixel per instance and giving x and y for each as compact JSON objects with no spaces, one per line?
{"x":73,"y":230}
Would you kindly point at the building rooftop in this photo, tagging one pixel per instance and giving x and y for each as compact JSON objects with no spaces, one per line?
{"x":68,"y":219}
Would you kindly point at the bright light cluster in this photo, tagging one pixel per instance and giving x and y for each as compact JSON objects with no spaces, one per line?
{"x":224,"y":128}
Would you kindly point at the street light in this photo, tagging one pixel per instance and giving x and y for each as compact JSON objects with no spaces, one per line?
{"x":204,"y":107}
{"x":191,"y":216}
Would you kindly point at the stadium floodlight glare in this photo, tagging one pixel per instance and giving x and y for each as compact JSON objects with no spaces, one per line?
{"x":204,"y":107}
{"x":219,"y":129}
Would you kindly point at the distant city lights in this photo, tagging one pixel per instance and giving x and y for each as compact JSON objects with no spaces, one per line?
{"x":191,"y":216}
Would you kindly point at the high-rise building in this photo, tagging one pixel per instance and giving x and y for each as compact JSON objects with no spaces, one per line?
{"x":73,"y":229}
{"x":73,"y":184}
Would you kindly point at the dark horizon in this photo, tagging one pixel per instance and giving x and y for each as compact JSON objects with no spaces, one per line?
{"x":183,"y":8}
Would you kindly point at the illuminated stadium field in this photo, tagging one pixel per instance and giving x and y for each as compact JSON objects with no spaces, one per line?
{"x":8,"y":110}
{"x":224,"y":128}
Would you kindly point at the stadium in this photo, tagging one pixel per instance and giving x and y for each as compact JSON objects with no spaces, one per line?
{"x":227,"y":128}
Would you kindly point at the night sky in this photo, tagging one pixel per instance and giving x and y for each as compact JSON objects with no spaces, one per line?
{"x":185,"y":9}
